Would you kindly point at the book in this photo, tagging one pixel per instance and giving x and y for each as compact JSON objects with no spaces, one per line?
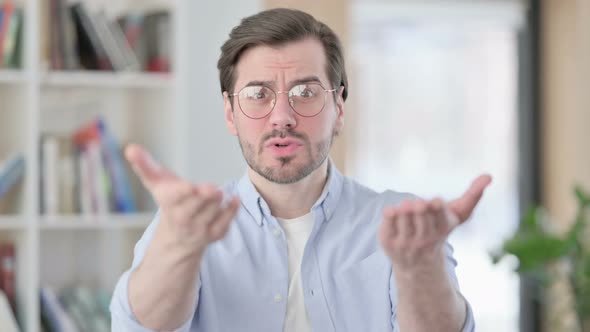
{"x":106,"y":38}
{"x":132,"y":27}
{"x":121,"y":185}
{"x":11,"y":55}
{"x":158,"y":29}
{"x":131,"y":62}
{"x":55,"y":34}
{"x":57,"y":176}
{"x":12,"y":170}
{"x":84,"y":184}
{"x":49,"y":175}
{"x":90,"y":48}
{"x":68,"y":36}
{"x":7,"y":10}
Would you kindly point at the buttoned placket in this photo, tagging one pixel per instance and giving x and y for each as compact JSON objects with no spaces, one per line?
{"x":280,"y":273}
{"x":315,"y":299}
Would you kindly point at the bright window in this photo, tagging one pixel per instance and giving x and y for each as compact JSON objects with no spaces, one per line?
{"x":434,"y":93}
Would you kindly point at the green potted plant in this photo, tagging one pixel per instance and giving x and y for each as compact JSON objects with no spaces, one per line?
{"x":552,"y":259}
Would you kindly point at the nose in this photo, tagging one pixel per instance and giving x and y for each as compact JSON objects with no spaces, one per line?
{"x":282,"y":115}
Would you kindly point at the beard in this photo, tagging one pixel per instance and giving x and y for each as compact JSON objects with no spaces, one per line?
{"x":289,"y":170}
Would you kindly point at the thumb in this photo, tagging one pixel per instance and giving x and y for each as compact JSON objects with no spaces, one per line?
{"x":464,"y":205}
{"x":144,"y":165}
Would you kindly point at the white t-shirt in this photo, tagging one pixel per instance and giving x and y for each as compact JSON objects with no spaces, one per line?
{"x":297,"y":232}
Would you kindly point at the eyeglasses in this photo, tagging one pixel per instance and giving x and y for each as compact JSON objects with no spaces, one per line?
{"x":306,"y":99}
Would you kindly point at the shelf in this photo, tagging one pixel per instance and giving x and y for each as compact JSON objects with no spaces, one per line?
{"x":107,"y":79}
{"x":96,"y":222}
{"x":10,"y":76}
{"x":12,"y":222}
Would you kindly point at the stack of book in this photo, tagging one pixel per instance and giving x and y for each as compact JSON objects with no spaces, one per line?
{"x":84,"y":173}
{"x":80,"y":38}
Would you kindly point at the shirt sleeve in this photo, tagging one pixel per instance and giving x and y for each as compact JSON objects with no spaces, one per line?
{"x":122,"y":317}
{"x":451,"y":263}
{"x":469,"y":325}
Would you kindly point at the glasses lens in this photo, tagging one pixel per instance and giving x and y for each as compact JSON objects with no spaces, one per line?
{"x":308,"y":99}
{"x":256,"y":101}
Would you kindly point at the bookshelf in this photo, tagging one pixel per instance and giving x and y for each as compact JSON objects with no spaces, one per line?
{"x":62,"y":250}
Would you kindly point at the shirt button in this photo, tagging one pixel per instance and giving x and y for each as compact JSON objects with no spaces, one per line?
{"x":278,"y":297}
{"x":276,"y":232}
{"x":311,"y":292}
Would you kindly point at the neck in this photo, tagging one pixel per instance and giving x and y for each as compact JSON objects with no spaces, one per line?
{"x":288,"y":201}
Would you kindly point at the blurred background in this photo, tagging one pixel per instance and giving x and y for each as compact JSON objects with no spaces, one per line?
{"x":440,"y":92}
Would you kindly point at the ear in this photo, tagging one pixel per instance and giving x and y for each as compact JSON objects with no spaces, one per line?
{"x":229,"y":114}
{"x":340,"y":111}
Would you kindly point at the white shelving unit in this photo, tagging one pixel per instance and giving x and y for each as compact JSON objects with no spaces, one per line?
{"x":145,"y":108}
{"x":107,"y":80}
{"x":135,"y":221}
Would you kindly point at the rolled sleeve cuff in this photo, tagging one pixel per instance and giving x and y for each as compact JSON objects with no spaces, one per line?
{"x":122,"y":317}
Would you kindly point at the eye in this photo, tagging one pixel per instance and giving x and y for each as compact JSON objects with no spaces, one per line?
{"x":260,"y":94}
{"x":256,"y":93}
{"x":304,"y":91}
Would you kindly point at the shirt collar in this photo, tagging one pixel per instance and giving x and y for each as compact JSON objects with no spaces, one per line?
{"x":255,"y":204}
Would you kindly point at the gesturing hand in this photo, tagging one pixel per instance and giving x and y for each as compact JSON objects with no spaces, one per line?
{"x":192,"y":214}
{"x":413,"y":233}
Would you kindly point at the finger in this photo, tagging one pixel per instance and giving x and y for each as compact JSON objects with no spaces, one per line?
{"x":218,"y":228}
{"x":405,"y":221}
{"x":464,"y":205}
{"x":388,"y":228}
{"x":430,"y":225}
{"x":419,"y":215}
{"x":438,"y":217}
{"x":144,"y":165}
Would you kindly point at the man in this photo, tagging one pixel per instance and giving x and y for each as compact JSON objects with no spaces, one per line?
{"x":293,"y":245}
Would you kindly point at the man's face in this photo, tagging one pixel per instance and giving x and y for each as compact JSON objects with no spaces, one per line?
{"x":284,"y":147}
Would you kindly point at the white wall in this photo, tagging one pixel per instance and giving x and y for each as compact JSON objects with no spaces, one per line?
{"x":212,"y":153}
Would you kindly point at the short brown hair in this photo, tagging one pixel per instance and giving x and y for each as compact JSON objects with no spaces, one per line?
{"x":276,"y":27}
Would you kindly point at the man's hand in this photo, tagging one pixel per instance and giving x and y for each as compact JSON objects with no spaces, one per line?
{"x":414,"y":232}
{"x":413,"y":236}
{"x":163,"y":289}
{"x":192,"y":214}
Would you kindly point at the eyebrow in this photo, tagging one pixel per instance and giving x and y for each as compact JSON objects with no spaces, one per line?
{"x":305,"y":79}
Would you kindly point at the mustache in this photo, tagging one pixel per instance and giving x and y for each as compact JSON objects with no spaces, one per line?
{"x":284,"y":134}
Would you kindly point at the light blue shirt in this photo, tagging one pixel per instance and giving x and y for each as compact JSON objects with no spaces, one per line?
{"x":347,"y":278}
